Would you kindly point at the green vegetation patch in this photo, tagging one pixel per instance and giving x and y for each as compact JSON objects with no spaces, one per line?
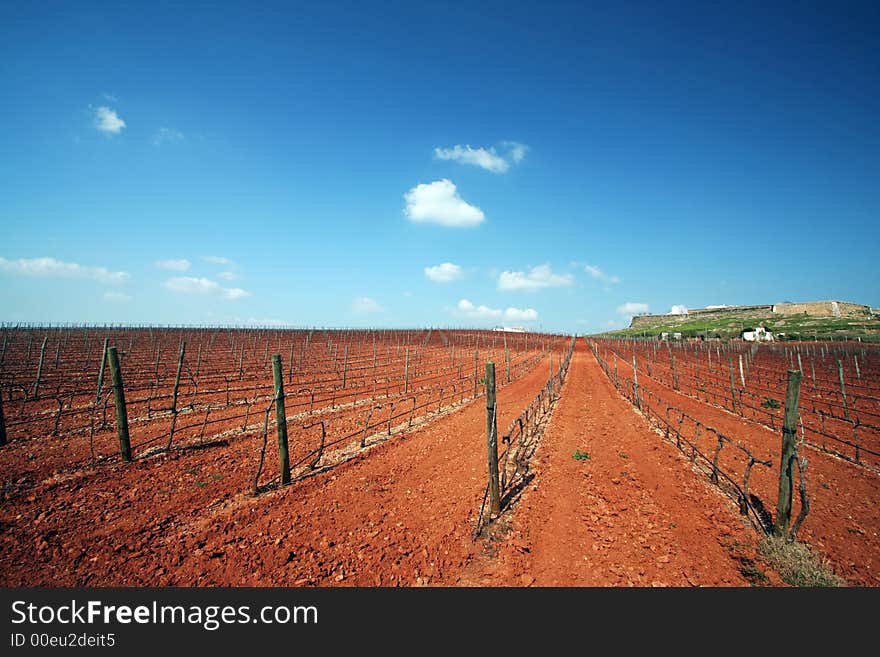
{"x":580,"y":456}
{"x":797,"y":564}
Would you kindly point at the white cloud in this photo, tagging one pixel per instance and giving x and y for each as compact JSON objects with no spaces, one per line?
{"x":167,"y":136}
{"x":443,"y":273}
{"x":516,"y":151}
{"x":365,"y":305}
{"x":438,"y":202}
{"x":538,"y":277}
{"x":191,"y":285}
{"x":632,"y":308}
{"x":597,"y":273}
{"x":116,"y":297}
{"x":485,"y":158}
{"x":235,"y":293}
{"x":217,"y":260}
{"x":108,"y":121}
{"x":521,"y":314}
{"x":468,"y":309}
{"x":195,"y":285}
{"x":51,"y":267}
{"x":477,"y":312}
{"x":174,"y":265}
{"x":480,"y":157}
{"x":227,"y":275}
{"x":678,"y":310}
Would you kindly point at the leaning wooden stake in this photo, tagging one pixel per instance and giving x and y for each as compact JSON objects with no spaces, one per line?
{"x":842,"y":389}
{"x":101,"y":373}
{"x":121,"y":413}
{"x":492,"y":441}
{"x":40,"y":367}
{"x":789,"y":454}
{"x":281,"y":418}
{"x":636,"y":383}
{"x":2,"y":423}
{"x":732,"y":386}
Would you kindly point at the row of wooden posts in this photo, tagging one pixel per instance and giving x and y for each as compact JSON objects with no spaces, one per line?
{"x":782,"y":524}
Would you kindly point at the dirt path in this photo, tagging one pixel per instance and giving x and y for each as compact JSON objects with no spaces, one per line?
{"x":632,"y":513}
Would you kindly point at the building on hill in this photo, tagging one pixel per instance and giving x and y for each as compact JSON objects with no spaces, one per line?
{"x":759,"y":334}
{"x":722,"y":312}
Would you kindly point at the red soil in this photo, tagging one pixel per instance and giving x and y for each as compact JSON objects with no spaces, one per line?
{"x":401,"y":513}
{"x":633,"y":514}
{"x":843,"y":523}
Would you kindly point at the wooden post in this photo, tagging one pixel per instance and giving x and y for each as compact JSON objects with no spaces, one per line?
{"x":492,"y":440}
{"x":40,"y":366}
{"x":674,"y":374}
{"x":290,"y":360}
{"x":475,"y":374}
{"x":344,"y":367}
{"x":842,"y":389}
{"x":281,"y":418}
{"x":2,"y":423}
{"x":241,"y":361}
{"x":199,"y":359}
{"x":508,"y":364}
{"x":101,"y":373}
{"x":742,"y":376}
{"x":858,"y":371}
{"x":732,"y":386}
{"x":636,"y":382}
{"x":789,"y":444}
{"x":177,"y":378}
{"x":406,"y":373}
{"x":121,"y":413}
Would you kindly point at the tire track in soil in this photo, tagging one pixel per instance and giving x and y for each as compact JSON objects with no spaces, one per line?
{"x":633,"y":514}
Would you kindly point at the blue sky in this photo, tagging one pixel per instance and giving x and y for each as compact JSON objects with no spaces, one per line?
{"x":552,"y":165}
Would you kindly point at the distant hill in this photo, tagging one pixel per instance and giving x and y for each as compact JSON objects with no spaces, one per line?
{"x":811,"y":320}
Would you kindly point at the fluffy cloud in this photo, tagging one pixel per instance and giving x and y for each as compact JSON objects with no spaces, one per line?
{"x":166,"y":136}
{"x":438,"y":202}
{"x":194,"y":285}
{"x":174,"y":265}
{"x":485,"y":158}
{"x":443,"y":273}
{"x":598,"y":274}
{"x":515,"y":150}
{"x":108,"y":121}
{"x":227,"y":275}
{"x":521,"y":314}
{"x":632,"y":308}
{"x":365,"y":305}
{"x":469,"y":309}
{"x":51,"y":267}
{"x":480,"y":157}
{"x":678,"y":310}
{"x":477,"y":312}
{"x":536,"y":278}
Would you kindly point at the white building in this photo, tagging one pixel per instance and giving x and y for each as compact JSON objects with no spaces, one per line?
{"x":759,"y":334}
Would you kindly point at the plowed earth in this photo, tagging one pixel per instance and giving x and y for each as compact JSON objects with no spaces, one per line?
{"x":401,"y":513}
